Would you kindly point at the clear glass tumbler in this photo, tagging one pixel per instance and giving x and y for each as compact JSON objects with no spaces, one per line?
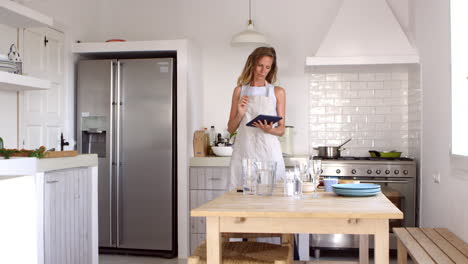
{"x":266,"y":172}
{"x":249,"y":177}
{"x":316,"y":171}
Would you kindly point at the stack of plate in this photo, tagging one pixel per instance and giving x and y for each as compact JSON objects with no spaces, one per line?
{"x":7,"y":65}
{"x":360,"y":189}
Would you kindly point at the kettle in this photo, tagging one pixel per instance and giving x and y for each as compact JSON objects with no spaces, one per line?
{"x":286,"y":141}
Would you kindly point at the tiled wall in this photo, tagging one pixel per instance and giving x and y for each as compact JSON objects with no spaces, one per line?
{"x":369,"y":104}
{"x":414,"y":112}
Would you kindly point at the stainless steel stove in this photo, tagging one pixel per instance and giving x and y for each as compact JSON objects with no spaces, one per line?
{"x":397,"y":178}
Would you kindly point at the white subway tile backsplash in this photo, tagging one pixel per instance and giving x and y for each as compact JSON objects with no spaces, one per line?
{"x":358,"y":85}
{"x":326,"y":119}
{"x":333,"y":77}
{"x":383,"y":110}
{"x":365,"y":110}
{"x":317,"y":77}
{"x":382,"y":76}
{"x":334,"y":94}
{"x":316,"y":110}
{"x":342,"y":85}
{"x":349,"y":76}
{"x":402,"y":76}
{"x":333,"y":110}
{"x":379,"y":110}
{"x":375,"y":119}
{"x":358,"y":102}
{"x":366,"y":93}
{"x":342,"y":102}
{"x":350,"y":94}
{"x":375,"y":85}
{"x":392,"y":85}
{"x":325,"y":102}
{"x":383,"y":93}
{"x":366,"y":76}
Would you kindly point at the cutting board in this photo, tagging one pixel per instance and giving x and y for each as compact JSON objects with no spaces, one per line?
{"x":61,"y":154}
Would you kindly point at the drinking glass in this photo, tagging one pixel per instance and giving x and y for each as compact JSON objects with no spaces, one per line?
{"x":297,"y":186}
{"x":266,"y":172}
{"x":249,"y":177}
{"x":316,"y":171}
{"x":289,"y":183}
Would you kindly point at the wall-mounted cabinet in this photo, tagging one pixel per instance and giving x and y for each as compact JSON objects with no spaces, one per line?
{"x":17,"y":82}
{"x":20,"y":16}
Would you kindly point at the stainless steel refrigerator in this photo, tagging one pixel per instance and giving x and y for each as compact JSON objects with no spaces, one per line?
{"x":126,"y":113}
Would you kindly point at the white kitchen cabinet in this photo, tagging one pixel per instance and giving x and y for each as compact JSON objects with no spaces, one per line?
{"x":49,"y":210}
{"x":42,"y":112}
{"x":67,"y":216}
{"x":206,"y":183}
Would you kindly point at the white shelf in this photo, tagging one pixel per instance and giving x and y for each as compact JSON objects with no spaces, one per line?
{"x":17,"y":82}
{"x":128,"y":46}
{"x":362,"y":60}
{"x":20,"y":16}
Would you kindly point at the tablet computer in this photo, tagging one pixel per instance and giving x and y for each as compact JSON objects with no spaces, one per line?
{"x":268,"y":118}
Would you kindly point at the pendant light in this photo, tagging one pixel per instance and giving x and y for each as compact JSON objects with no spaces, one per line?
{"x":250,"y":35}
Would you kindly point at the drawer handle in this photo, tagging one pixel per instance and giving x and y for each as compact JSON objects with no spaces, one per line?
{"x":214,"y":179}
{"x":54,"y":181}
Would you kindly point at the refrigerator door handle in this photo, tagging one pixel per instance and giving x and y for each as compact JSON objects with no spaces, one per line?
{"x":111,"y":163}
{"x":117,"y":153}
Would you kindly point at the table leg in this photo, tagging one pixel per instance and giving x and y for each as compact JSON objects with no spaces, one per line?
{"x":382,"y":242}
{"x":213,"y":241}
{"x":363,"y":249}
{"x":402,"y":253}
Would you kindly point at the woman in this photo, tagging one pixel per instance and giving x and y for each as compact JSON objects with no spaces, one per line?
{"x":256,"y":95}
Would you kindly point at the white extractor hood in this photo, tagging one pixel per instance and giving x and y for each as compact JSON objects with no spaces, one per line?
{"x":364,"y":32}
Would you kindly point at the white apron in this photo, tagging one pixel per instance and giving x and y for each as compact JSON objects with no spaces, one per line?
{"x":252,"y":142}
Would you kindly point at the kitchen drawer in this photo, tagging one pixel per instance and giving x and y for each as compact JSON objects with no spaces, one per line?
{"x":208,"y":178}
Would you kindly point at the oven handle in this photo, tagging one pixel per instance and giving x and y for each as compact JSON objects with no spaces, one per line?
{"x":382,"y":181}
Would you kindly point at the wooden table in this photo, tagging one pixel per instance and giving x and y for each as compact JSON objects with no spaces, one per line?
{"x":328,"y":214}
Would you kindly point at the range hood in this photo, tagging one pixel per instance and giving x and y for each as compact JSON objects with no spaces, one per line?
{"x":364,"y":32}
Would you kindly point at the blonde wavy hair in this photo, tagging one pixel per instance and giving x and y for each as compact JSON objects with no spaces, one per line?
{"x":247,"y":74}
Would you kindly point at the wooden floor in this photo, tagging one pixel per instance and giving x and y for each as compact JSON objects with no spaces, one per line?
{"x":119,"y":259}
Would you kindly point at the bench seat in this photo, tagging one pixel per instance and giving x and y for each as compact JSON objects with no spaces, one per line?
{"x":430,"y":246}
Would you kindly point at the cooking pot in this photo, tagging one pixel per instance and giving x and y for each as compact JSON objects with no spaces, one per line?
{"x":330,"y":151}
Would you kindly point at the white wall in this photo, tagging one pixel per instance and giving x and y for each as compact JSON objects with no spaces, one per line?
{"x":444,"y":204}
{"x":8,"y":99}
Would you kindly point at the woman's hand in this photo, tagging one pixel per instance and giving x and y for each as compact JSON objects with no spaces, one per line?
{"x":264,"y":126}
{"x":242,"y":105}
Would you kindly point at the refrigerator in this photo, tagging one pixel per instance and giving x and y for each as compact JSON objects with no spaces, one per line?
{"x":126,"y":114}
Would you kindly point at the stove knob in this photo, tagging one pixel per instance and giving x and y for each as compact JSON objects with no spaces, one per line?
{"x":353,"y":171}
{"x":378,"y":171}
{"x":369,"y":172}
{"x":387,"y":171}
{"x":405,"y":172}
{"x":338,"y":171}
{"x":396,"y":172}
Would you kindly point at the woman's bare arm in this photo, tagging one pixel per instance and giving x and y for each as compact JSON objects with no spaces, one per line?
{"x":238,"y":108}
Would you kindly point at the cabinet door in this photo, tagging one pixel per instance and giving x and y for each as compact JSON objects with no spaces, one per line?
{"x":206,"y":183}
{"x":67,"y":216}
{"x":42,"y":112}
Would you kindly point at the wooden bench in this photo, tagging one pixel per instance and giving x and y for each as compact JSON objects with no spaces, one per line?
{"x":430,"y":245}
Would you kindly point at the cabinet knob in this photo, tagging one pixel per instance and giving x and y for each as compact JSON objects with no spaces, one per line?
{"x":54,"y":181}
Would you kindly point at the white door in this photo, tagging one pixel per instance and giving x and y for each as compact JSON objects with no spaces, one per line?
{"x":42,"y":112}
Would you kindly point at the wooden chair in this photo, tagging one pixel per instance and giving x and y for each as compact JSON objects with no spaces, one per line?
{"x":430,"y":246}
{"x":249,"y":252}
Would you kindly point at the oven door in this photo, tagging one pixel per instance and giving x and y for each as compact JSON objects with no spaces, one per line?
{"x":400,"y":191}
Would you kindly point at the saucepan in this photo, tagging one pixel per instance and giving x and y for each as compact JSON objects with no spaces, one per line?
{"x":330,"y":151}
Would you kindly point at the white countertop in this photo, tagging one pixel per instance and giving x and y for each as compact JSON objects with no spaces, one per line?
{"x":213,"y":161}
{"x":30,"y":166}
